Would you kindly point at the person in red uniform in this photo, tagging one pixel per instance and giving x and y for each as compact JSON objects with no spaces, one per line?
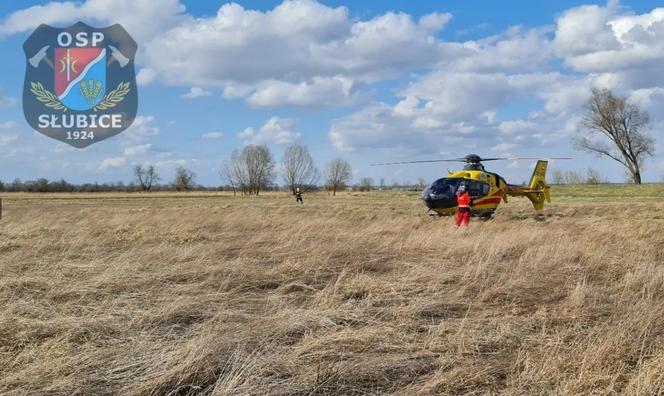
{"x":463,"y":202}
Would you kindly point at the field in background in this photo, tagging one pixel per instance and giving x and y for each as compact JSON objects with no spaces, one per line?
{"x":356,"y":294}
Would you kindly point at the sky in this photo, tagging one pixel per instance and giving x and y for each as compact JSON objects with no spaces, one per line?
{"x":366,"y":81}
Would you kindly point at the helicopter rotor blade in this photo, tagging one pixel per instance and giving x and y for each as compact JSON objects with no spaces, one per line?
{"x":466,"y":160}
{"x":419,"y":162}
{"x":525,"y":158}
{"x":493,"y":159}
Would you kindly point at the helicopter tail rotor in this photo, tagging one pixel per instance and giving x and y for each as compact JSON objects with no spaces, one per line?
{"x":538,"y":182}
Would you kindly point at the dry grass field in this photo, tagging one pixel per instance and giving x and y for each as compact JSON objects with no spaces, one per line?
{"x":207,"y":294}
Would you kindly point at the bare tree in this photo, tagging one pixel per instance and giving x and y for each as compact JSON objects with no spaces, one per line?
{"x":337,"y":174}
{"x":299,"y":169}
{"x":573,"y":177}
{"x":147,"y":177}
{"x":260,"y":167}
{"x":623,"y":124}
{"x":228,"y":174}
{"x":184,"y":179}
{"x":235,"y":171}
{"x":40,"y":185}
{"x":557,"y":177}
{"x":249,"y":170}
{"x":366,"y":183}
{"x":594,"y":177}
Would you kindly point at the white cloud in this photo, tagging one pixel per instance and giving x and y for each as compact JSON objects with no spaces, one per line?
{"x":321,"y":91}
{"x":378,"y":127}
{"x":319,"y":52}
{"x":5,"y":100}
{"x":451,"y":96}
{"x":567,"y":96}
{"x":143,"y":19}
{"x":631,"y":28}
{"x":275,"y":131}
{"x":650,"y":99}
{"x":472,"y":29}
{"x":212,"y":135}
{"x":584,"y":29}
{"x":196,"y":92}
{"x":30,"y":18}
{"x":137,"y":150}
{"x":627,"y":49}
{"x":406,"y":107}
{"x":435,"y":21}
{"x":8,"y":133}
{"x":146,"y":76}
{"x":142,"y":129}
{"x":61,"y":148}
{"x":246,"y":133}
{"x":7,"y":125}
{"x":170,"y":163}
{"x":474,"y":81}
{"x":300,"y":53}
{"x":6,"y":140}
{"x":453,"y":111}
{"x":516,"y":50}
{"x":515,"y":126}
{"x":504,"y":147}
{"x":112,"y":162}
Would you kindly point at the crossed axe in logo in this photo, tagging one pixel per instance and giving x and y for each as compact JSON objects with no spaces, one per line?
{"x":116,"y":56}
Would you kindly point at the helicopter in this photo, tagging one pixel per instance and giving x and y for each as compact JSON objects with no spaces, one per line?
{"x":486,"y":189}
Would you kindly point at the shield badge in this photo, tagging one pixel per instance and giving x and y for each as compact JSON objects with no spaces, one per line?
{"x":80,"y":83}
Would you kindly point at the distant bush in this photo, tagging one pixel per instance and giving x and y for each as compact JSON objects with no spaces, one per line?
{"x":573,"y":177}
{"x":594,"y":177}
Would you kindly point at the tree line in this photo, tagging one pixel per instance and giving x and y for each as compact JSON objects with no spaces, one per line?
{"x":147,"y":179}
{"x":253,"y":169}
{"x":248,"y":171}
{"x":573,"y":177}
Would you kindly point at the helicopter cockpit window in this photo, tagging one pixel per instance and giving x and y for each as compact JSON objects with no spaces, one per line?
{"x":444,"y":186}
{"x":477,"y":189}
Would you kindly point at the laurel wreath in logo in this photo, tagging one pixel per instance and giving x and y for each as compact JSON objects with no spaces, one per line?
{"x":45,"y":96}
{"x":51,"y":101}
{"x":114,"y":97}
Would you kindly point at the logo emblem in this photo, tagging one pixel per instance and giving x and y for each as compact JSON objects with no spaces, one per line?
{"x":80,"y":83}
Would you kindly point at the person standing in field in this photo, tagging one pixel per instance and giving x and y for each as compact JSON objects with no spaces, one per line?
{"x":298,"y":196}
{"x":463,"y":202}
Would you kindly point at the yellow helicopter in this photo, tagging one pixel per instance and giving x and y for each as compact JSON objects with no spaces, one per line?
{"x":486,"y":189}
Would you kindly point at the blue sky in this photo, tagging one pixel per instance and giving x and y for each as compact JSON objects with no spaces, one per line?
{"x":367,"y":81}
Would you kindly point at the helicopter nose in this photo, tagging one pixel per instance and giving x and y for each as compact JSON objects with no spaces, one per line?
{"x":437,"y":201}
{"x":429,"y":201}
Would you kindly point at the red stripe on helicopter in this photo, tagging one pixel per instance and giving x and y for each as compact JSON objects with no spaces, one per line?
{"x":494,"y":198}
{"x":487,"y":201}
